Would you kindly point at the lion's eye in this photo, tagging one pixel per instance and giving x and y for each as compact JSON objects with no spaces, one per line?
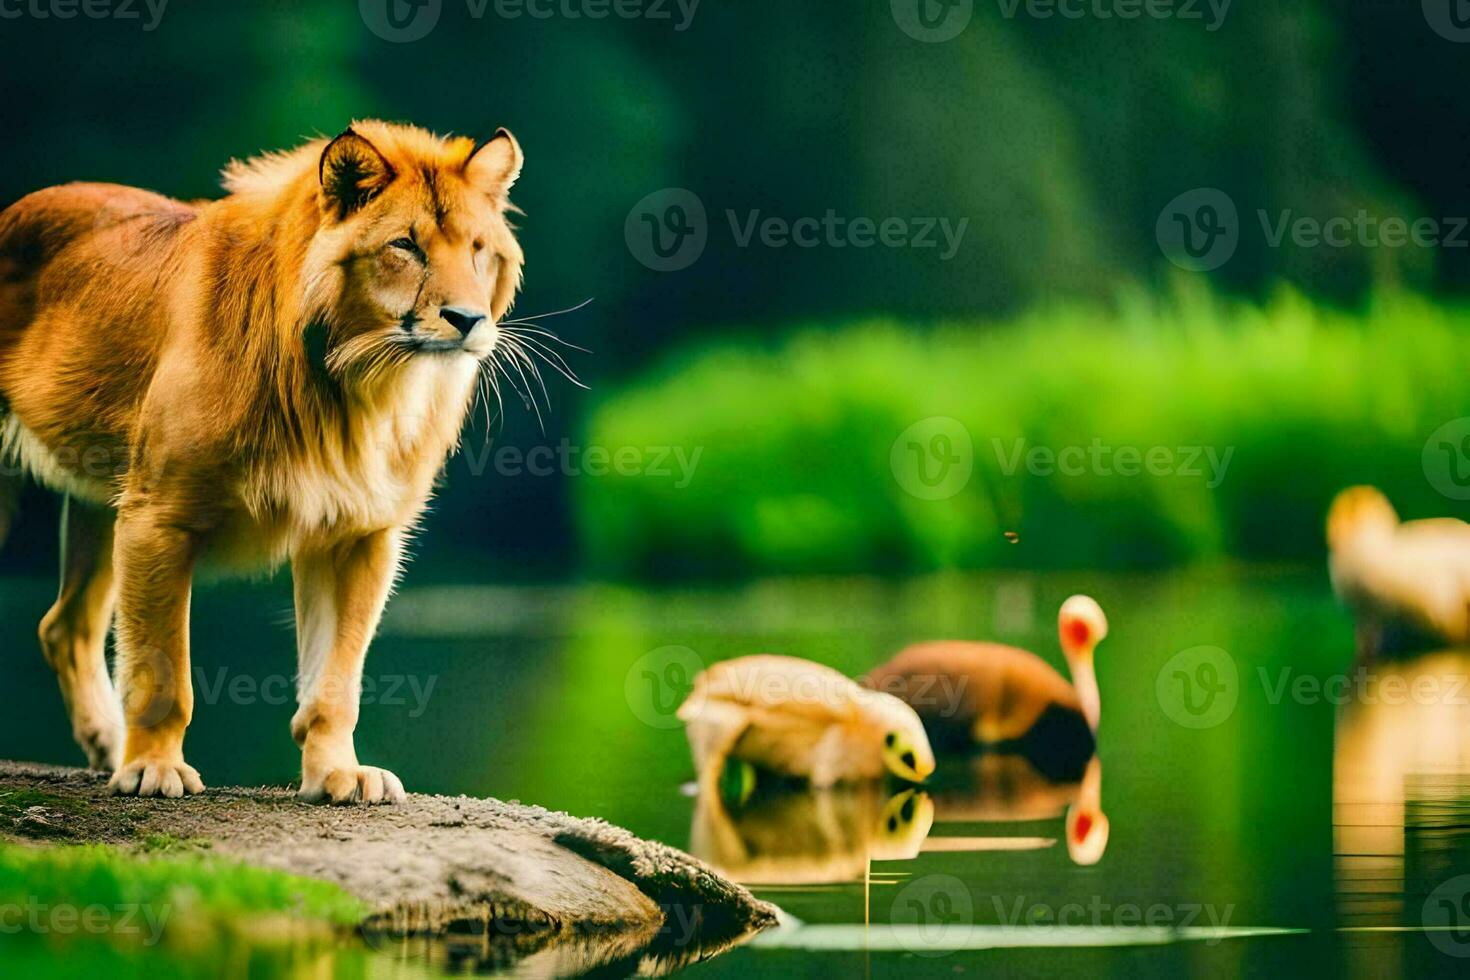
{"x":406,"y":245}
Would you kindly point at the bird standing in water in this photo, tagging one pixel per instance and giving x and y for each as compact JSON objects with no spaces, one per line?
{"x":989,"y":694}
{"x":796,"y":718}
{"x":1410,"y":576}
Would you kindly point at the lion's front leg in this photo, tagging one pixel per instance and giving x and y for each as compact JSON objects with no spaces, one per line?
{"x":340,"y":594}
{"x":154,"y":562}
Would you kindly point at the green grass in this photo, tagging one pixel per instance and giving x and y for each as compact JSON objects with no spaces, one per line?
{"x":795,"y":438}
{"x":172,"y":911}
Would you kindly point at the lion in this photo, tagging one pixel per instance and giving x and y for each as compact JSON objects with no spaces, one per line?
{"x":275,"y":376}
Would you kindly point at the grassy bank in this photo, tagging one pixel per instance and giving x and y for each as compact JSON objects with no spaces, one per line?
{"x":1148,"y":434}
{"x":170,"y":909}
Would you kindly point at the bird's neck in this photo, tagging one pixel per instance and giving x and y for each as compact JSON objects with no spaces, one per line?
{"x":1084,"y":682}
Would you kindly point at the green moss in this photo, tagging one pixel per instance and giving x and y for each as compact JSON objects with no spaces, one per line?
{"x":800,"y":450}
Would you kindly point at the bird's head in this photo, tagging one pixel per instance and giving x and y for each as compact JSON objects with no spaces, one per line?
{"x":1081,"y":626}
{"x":906,"y":750}
{"x":1359,"y":511}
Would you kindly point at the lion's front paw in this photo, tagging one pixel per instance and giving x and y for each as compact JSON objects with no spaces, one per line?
{"x":354,"y":784}
{"x":147,"y":776}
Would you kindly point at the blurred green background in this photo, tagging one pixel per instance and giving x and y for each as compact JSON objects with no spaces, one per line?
{"x":791,"y":371}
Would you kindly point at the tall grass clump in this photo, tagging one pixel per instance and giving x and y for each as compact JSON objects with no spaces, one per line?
{"x":1241,"y":420}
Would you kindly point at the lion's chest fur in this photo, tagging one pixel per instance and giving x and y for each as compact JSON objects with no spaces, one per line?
{"x":372,"y":472}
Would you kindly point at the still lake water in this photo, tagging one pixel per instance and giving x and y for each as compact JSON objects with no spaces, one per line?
{"x":1271,"y":809}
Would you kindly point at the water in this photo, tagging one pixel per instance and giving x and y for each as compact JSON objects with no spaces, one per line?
{"x":1268,"y":808}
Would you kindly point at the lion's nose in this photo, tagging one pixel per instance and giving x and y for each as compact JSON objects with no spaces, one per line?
{"x":462,"y":318}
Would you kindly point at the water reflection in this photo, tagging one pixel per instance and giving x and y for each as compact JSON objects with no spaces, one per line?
{"x":787,"y":834}
{"x":1401,"y":805}
{"x":1013,"y":788}
{"x":764,"y":831}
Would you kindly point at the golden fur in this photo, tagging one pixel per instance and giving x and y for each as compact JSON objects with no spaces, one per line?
{"x":279,"y":374}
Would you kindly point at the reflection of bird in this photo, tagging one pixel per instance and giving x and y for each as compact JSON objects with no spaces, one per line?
{"x":990,"y":694}
{"x":803,"y":836}
{"x":1008,"y":788}
{"x":1087,"y":825}
{"x":993,"y":787}
{"x":1412,"y":576}
{"x":796,"y":718}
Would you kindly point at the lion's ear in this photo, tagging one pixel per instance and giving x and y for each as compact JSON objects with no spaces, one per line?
{"x":495,"y":164}
{"x":352,"y":172}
